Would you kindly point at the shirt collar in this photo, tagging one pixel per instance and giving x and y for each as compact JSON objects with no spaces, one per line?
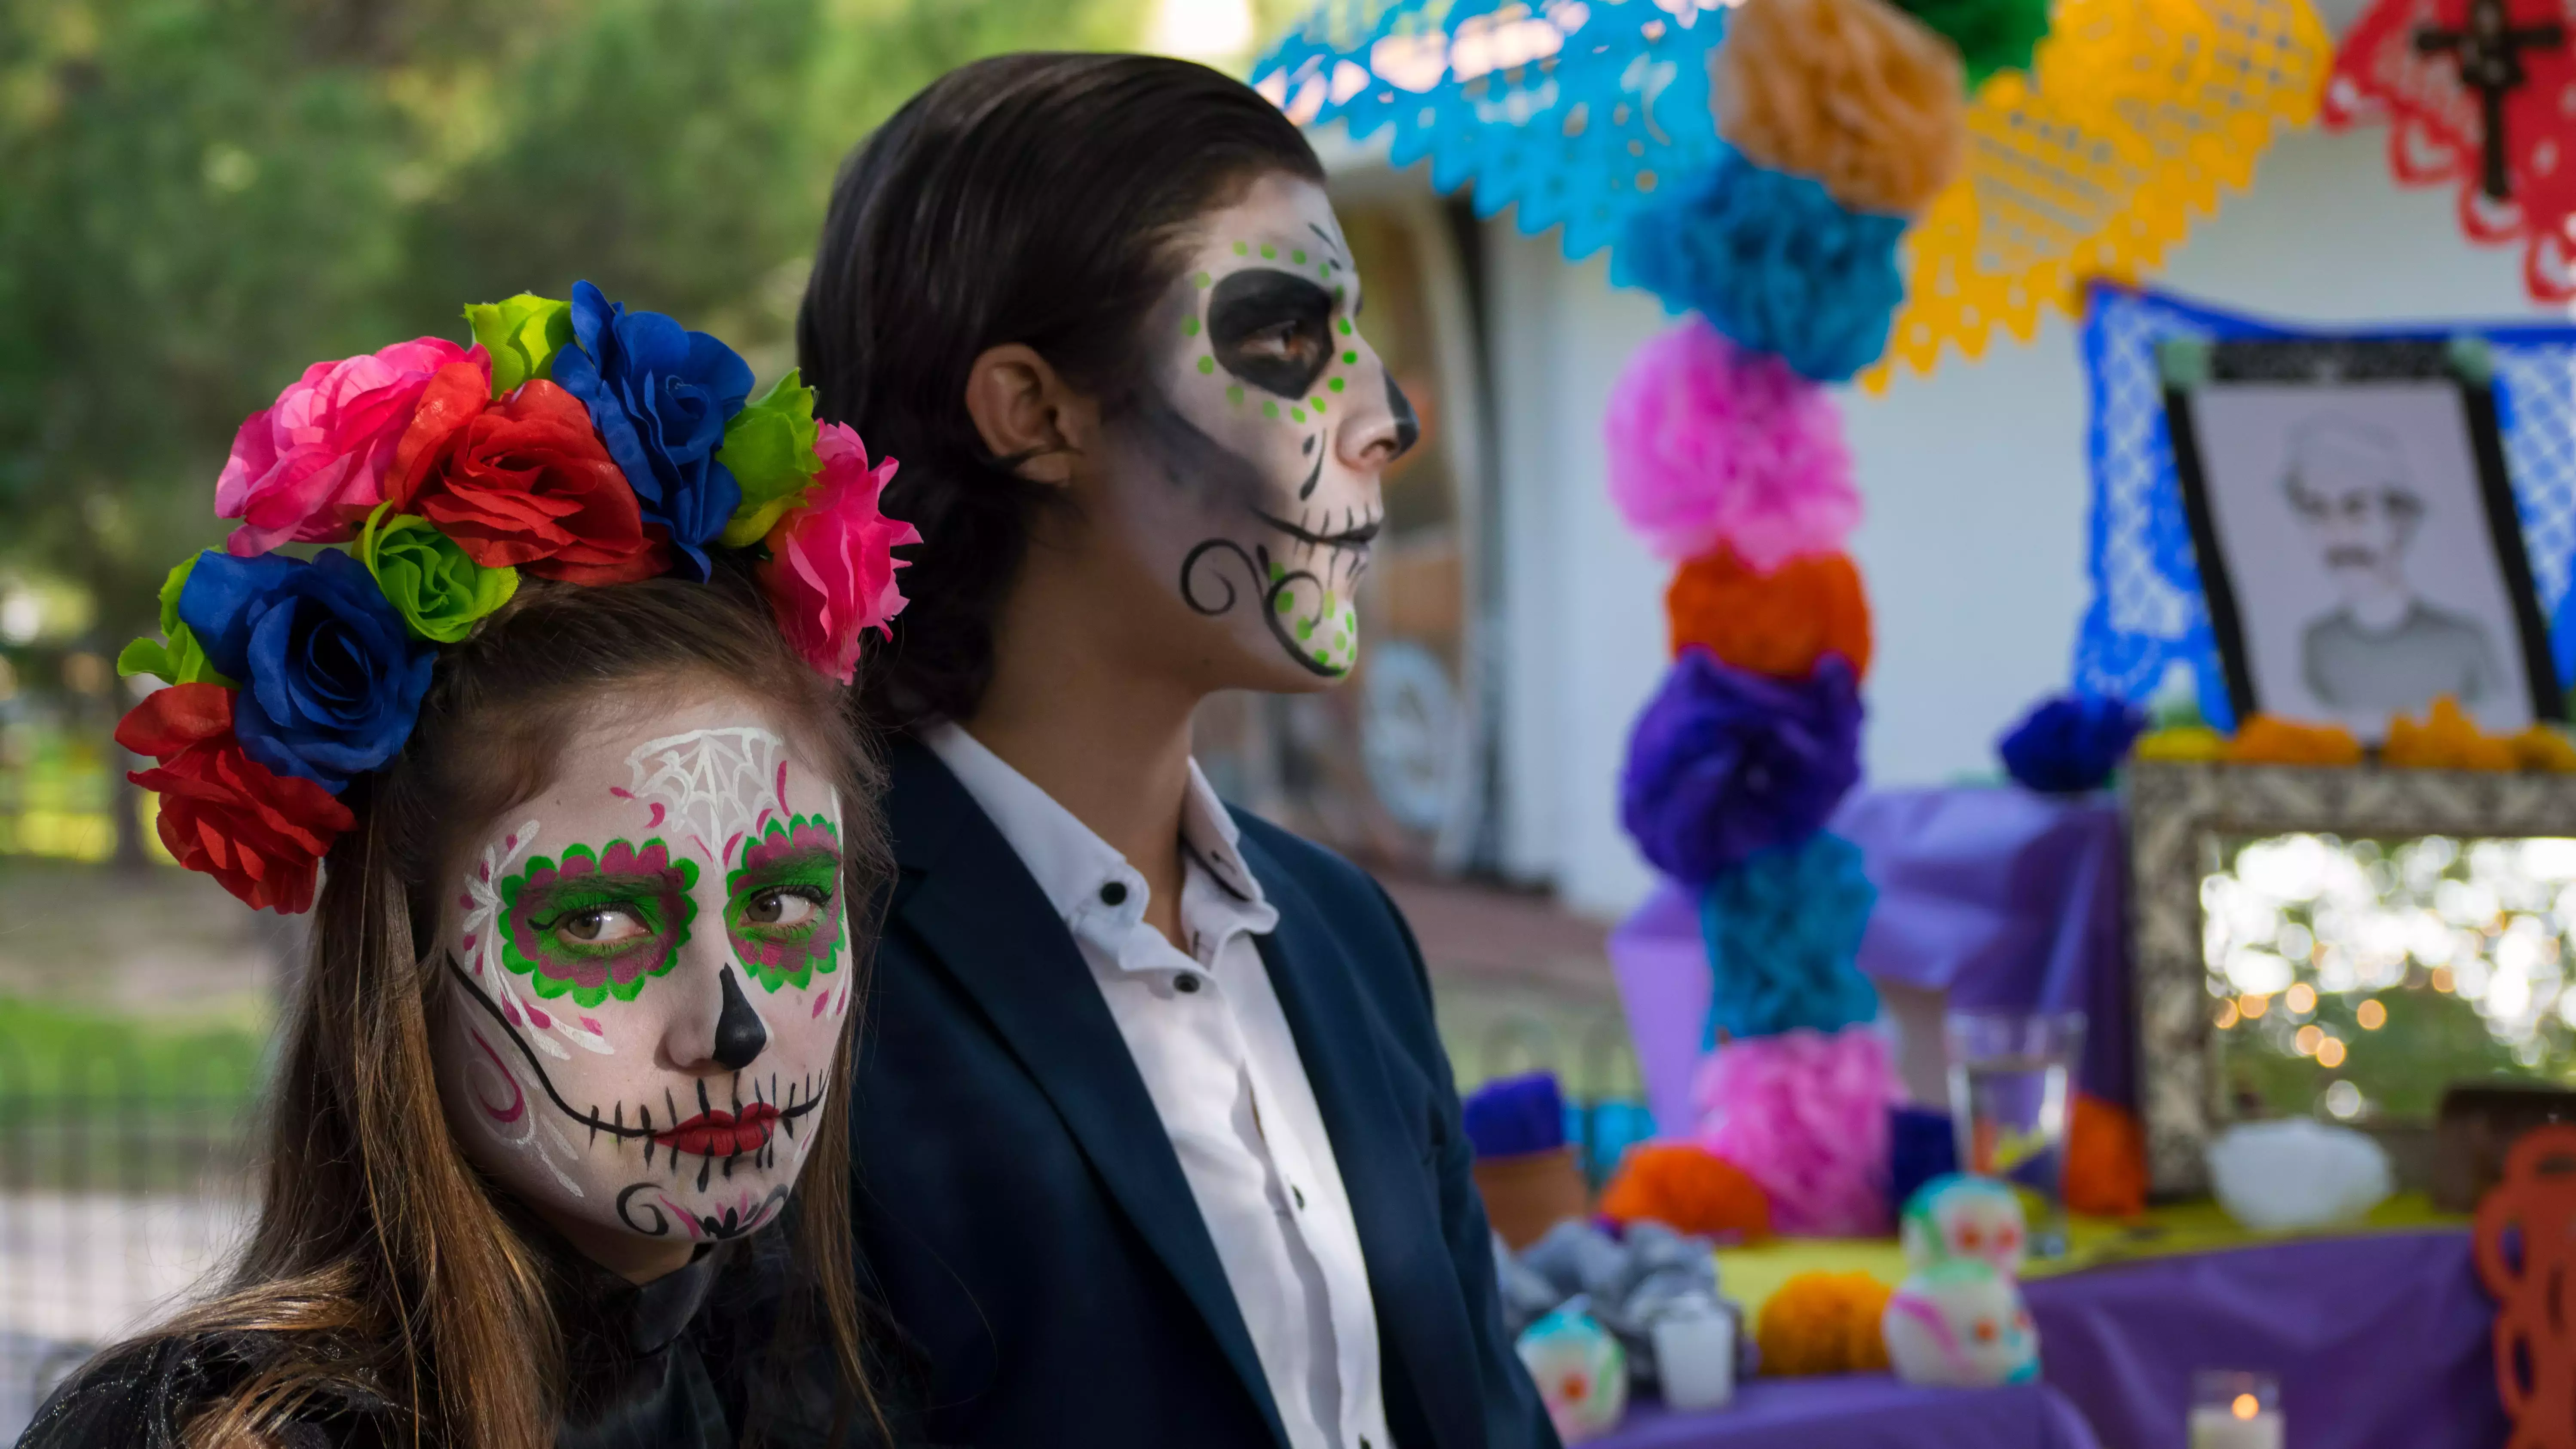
{"x":1072,"y":864}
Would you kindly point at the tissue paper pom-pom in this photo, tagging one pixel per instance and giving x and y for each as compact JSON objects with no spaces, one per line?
{"x":2266,"y":740}
{"x":2072,"y":743}
{"x":1991,"y":35}
{"x":2181,"y":743}
{"x":1690,"y":1190}
{"x":1783,"y":930}
{"x":2447,"y":740}
{"x":1774,"y":262}
{"x":1710,"y":444}
{"x":1723,"y":763}
{"x":1824,"y":1323}
{"x":1515,"y":1116}
{"x":2106,"y":1161}
{"x":1805,"y":1115}
{"x":1777,"y":623}
{"x":2544,"y":749}
{"x":1855,"y":93}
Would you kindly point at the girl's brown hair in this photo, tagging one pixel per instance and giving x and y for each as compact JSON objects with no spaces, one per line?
{"x":382,"y":1263}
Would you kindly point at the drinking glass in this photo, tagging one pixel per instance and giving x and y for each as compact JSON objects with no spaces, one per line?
{"x":2009,"y":1074}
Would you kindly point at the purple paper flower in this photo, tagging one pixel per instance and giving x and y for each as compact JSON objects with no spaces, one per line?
{"x":1725,"y":762}
{"x":2072,"y":743}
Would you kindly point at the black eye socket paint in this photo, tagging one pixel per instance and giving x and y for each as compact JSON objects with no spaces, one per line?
{"x":1272,"y":329}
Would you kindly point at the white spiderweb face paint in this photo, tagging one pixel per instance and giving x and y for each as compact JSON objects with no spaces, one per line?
{"x":710,"y":785}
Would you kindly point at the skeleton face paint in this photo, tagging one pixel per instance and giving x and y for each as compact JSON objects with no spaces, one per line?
{"x":649,"y":965}
{"x":1257,"y":448}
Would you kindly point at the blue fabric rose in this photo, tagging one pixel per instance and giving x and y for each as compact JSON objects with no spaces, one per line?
{"x":2072,"y":743}
{"x":331,"y":680}
{"x":1783,"y":932}
{"x":660,"y":396}
{"x":1774,"y":262}
{"x":1725,"y":762}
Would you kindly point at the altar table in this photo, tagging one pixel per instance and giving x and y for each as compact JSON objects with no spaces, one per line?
{"x":2380,"y":1341}
{"x":1862,"y":1411}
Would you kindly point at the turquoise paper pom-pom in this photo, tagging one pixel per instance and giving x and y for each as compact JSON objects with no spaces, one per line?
{"x":1783,"y":932}
{"x":1772,"y":261}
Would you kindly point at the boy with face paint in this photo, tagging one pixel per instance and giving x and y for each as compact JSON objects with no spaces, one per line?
{"x":1156,"y":1143}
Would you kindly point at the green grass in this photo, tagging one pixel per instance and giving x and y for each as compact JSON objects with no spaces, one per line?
{"x":51,"y":1054}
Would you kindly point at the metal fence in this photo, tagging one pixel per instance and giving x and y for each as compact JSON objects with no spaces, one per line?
{"x":124,"y":1179}
{"x":122,"y":1182}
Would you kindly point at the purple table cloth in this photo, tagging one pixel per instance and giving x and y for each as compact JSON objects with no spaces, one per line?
{"x":1998,"y":897}
{"x":2380,"y":1342}
{"x":1862,"y":1411}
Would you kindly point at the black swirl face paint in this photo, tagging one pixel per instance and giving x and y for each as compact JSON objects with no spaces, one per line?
{"x":1271,"y":424}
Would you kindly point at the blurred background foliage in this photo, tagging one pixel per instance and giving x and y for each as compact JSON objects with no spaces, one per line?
{"x":200,"y":197}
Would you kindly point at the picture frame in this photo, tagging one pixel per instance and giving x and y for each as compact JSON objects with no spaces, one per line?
{"x":2179,"y":814}
{"x":2354,"y":524}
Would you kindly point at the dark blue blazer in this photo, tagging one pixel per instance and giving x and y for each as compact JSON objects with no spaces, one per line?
{"x":1022,"y":1217}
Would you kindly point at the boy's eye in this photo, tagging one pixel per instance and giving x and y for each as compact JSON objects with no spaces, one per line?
{"x":605,"y":925}
{"x":780,"y":907}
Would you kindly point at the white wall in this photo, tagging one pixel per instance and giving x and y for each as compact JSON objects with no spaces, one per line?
{"x":1973,"y":548}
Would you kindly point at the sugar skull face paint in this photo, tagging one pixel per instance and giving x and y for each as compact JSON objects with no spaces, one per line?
{"x":1257,"y":446}
{"x":648,"y":968}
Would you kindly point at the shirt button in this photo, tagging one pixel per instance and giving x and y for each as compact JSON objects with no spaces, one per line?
{"x":1187,"y":982}
{"x":1299,"y":1194}
{"x":1114,"y":893}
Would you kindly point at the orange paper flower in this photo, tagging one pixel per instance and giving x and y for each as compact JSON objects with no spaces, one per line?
{"x":1779,"y":623}
{"x":2266,"y":740}
{"x":1855,"y":93}
{"x":1690,"y":1190}
{"x":2106,"y":1161}
{"x":2447,"y":740}
{"x":1824,"y":1323}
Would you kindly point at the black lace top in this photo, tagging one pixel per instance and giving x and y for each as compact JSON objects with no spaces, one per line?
{"x":677,"y":1363}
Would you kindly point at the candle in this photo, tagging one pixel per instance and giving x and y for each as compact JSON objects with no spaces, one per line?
{"x":1695,"y":1358}
{"x":2241,"y":1423}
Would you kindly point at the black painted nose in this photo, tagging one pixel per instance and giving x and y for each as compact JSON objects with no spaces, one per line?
{"x":1408,"y":428}
{"x":739,"y":1035}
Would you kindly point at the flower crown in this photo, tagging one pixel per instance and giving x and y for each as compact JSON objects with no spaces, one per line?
{"x":574,"y":441}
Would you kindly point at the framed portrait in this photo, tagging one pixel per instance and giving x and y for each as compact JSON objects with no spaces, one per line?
{"x":2355,"y":529}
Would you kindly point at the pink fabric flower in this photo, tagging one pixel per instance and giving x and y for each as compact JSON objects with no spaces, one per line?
{"x":1805,"y":1115}
{"x":830,"y":574}
{"x":308,"y":468}
{"x":1710,"y":444}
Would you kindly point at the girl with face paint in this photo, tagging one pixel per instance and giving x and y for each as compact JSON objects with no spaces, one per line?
{"x":1200,"y":1177}
{"x":557,"y":1149}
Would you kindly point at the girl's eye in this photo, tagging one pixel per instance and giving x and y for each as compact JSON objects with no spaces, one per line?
{"x":1286,"y":341}
{"x":780,"y":907}
{"x":605,"y":926}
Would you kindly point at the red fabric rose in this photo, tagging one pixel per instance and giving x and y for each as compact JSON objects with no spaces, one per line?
{"x":261,"y":834}
{"x":523,"y":483}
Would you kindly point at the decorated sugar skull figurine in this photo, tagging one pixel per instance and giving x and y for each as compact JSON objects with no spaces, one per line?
{"x":1960,"y":1324}
{"x":1961,"y":1217}
{"x":1580,"y":1369}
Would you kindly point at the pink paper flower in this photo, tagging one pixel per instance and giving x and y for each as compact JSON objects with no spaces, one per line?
{"x":308,"y":468}
{"x":1711,"y":444}
{"x":830,"y":574}
{"x":1805,"y":1115}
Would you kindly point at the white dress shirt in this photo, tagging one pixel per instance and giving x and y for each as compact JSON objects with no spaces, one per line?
{"x":1207,"y":1035}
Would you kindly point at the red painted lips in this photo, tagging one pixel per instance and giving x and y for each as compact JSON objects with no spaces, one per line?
{"x":721,"y":1133}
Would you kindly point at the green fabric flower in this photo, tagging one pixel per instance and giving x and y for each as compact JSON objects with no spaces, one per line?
{"x":176,"y":656}
{"x":522,"y":334}
{"x":428,"y":579}
{"x":769,"y":448}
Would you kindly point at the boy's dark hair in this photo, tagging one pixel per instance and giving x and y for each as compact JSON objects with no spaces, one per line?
{"x":1028,"y":199}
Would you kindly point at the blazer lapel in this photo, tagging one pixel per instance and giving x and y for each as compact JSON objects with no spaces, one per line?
{"x":1382,"y":1172}
{"x":988,"y":924}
